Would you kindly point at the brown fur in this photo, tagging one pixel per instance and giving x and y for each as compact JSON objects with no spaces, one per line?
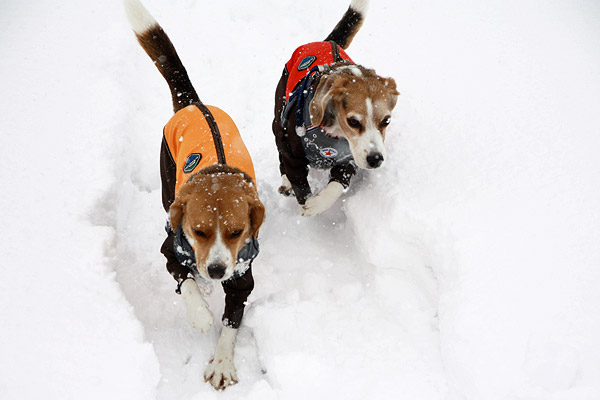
{"x":218,"y":198}
{"x":340,"y":94}
{"x":350,"y":101}
{"x":158,"y":46}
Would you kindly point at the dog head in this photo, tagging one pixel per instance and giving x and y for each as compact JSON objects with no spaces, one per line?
{"x":219,"y":212}
{"x":354,"y":102}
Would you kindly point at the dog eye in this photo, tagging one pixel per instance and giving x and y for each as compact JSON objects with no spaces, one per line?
{"x":353,"y":122}
{"x":236,"y":234}
{"x":386,"y":121}
{"x":198,"y":232}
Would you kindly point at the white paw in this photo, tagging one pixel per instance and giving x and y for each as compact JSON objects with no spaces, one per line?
{"x":199,"y":317}
{"x":323,"y":200}
{"x":197,"y":313}
{"x":221,"y":373}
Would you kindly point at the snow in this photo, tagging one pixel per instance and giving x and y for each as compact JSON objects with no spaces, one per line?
{"x":466,"y":268}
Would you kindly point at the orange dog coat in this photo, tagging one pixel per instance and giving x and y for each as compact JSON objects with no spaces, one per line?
{"x":193,"y":145}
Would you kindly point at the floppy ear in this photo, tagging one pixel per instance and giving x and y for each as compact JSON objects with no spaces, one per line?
{"x":176,"y":212}
{"x":390,"y":84}
{"x":257,"y":216}
{"x":323,"y":94}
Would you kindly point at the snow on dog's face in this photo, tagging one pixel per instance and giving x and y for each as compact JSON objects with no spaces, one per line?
{"x":356,"y":103}
{"x":219,"y":213}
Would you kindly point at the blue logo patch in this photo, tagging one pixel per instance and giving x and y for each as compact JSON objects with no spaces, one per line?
{"x":306,"y":62}
{"x":192,"y":162}
{"x":328,"y":152}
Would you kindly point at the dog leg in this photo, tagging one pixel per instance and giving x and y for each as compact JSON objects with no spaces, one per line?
{"x":220,"y":372}
{"x":197,"y":313}
{"x":323,"y":200}
{"x":286,"y":187}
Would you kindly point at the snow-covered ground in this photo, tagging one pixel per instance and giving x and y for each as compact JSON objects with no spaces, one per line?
{"x":467,"y":268}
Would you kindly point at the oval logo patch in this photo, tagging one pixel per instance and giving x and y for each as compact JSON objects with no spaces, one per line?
{"x":192,"y":162}
{"x":328,"y":152}
{"x":306,"y":62}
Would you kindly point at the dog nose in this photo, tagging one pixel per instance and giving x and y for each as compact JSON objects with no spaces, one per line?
{"x":374,"y":160}
{"x":216,"y":271}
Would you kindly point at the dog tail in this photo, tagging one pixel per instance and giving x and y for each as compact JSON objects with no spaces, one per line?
{"x":158,"y":46}
{"x":349,"y":25}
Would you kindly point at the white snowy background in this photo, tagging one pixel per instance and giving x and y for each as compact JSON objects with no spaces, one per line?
{"x":468,"y":268}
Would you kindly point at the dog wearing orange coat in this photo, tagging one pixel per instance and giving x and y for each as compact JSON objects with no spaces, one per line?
{"x":209,"y":191}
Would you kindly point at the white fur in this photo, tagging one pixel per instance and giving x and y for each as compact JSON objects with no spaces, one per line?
{"x":285,"y":182}
{"x":197,"y":313}
{"x":286,"y":185}
{"x":358,"y":117}
{"x":139,"y":18}
{"x":220,"y":254}
{"x":335,"y":129}
{"x":360,"y":5}
{"x":221,"y":371}
{"x":371,"y":141}
{"x":369,"y":105}
{"x":323,"y":200}
{"x":354,"y":70}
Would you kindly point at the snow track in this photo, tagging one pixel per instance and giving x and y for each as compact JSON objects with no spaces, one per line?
{"x":321,"y":311}
{"x":466,"y":269}
{"x":324,"y":314}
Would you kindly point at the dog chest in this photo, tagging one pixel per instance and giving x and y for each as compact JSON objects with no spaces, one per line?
{"x":323,"y":151}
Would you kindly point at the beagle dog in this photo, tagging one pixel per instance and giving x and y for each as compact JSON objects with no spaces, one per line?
{"x":330,"y":114}
{"x":209,"y":191}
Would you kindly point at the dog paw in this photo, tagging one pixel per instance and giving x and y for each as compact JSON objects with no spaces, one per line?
{"x":313,"y":207}
{"x":323,"y":200}
{"x":286,"y":187}
{"x":200,"y":318}
{"x":221,"y":373}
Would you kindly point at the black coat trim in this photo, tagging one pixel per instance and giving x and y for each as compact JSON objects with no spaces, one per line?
{"x":214,"y":129}
{"x":335,"y":51}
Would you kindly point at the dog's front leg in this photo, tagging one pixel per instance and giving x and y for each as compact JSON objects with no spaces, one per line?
{"x":220,"y":372}
{"x":323,"y":200}
{"x":286,"y":186}
{"x":197,"y":313}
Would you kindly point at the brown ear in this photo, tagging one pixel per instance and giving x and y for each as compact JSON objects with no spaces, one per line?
{"x":257,"y":216}
{"x":323,"y":94}
{"x":176,"y":212}
{"x":390,"y":84}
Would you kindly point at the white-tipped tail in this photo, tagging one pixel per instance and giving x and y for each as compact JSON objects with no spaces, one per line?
{"x":360,"y":5}
{"x":139,"y":18}
{"x":350,"y":24}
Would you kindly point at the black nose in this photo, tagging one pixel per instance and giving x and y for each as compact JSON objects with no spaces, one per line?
{"x":216,"y":271}
{"x":374,"y":160}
